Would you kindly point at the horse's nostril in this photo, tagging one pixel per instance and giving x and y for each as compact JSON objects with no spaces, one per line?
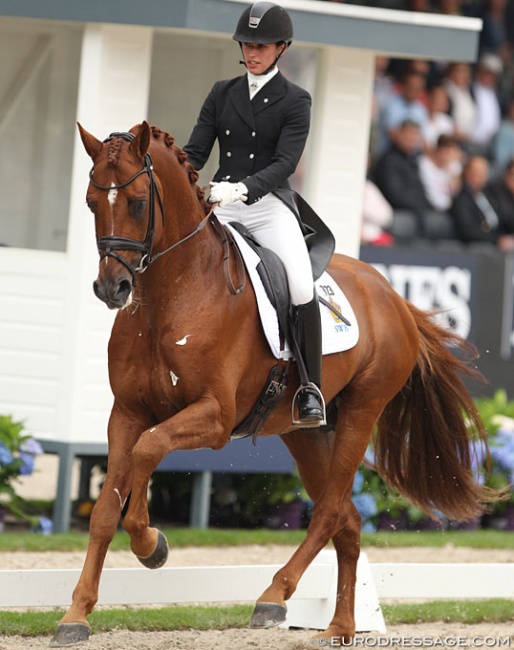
{"x":114,"y":294}
{"x":96,"y":289}
{"x":124,"y":288}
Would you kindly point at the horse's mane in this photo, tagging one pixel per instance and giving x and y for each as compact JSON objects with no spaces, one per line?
{"x":114,"y":149}
{"x":169,"y":142}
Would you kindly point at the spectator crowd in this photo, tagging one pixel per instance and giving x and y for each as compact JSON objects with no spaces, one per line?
{"x":441,"y":159}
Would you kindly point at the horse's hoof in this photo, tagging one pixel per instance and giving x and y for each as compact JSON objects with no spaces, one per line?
{"x":159,"y":556}
{"x":70,"y":634}
{"x":268,"y":615}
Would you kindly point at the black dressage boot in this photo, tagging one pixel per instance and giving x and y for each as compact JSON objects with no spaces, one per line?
{"x":308,"y":398}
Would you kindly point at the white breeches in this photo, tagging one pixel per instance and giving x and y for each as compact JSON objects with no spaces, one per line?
{"x":275,"y":227}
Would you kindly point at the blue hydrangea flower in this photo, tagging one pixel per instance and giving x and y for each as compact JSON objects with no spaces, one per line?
{"x":369,"y":456}
{"x":365,"y":504}
{"x":31,"y":446}
{"x":478,"y":452}
{"x":5,"y":455}
{"x":368,"y":527}
{"x":358,"y":483}
{"x":28,"y":463}
{"x":45,"y":526}
{"x":502,"y":450}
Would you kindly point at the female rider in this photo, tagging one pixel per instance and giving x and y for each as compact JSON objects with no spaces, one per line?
{"x":261,"y":121}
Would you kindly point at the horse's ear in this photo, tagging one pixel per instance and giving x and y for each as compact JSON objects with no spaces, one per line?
{"x":91,"y":144}
{"x":139,"y":146}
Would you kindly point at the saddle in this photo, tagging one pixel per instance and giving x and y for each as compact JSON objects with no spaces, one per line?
{"x":321,"y":244}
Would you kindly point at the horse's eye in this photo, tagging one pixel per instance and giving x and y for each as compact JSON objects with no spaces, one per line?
{"x":91,"y":205}
{"x":137,"y":207}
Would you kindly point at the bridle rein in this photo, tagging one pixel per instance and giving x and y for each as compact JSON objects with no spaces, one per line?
{"x":107,"y":246}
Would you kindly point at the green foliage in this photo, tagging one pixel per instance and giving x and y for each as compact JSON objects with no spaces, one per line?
{"x":451,"y":611}
{"x":31,"y":624}
{"x":492,"y":539}
{"x":492,"y":407}
{"x":497,"y":414}
{"x":17,"y":455}
{"x":177,"y":538}
{"x":156,"y":619}
{"x":264,"y":490}
{"x":187,"y":537}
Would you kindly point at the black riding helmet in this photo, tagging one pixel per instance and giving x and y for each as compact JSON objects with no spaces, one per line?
{"x":264,"y":22}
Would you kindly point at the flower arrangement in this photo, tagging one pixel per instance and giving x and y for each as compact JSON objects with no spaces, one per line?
{"x":365,"y":502}
{"x":18,"y":453}
{"x":381,"y":508}
{"x":378,"y":506}
{"x":498,"y":416}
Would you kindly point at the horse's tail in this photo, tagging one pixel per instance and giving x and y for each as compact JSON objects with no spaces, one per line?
{"x":430,"y":435}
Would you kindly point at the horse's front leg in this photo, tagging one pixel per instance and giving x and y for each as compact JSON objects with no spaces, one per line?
{"x":74,"y":628}
{"x":201,"y":424}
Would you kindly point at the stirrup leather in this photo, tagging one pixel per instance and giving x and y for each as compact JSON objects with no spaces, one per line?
{"x":314,"y":423}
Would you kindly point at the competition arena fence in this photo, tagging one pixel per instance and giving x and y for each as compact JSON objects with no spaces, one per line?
{"x":311,"y":605}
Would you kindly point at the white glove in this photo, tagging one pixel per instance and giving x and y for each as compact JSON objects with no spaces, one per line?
{"x":224,"y":193}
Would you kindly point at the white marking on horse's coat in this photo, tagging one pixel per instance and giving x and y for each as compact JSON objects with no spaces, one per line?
{"x":152,"y":429}
{"x":174,"y":378}
{"x":112,"y":195}
{"x":122,"y":501}
{"x":184,"y":340}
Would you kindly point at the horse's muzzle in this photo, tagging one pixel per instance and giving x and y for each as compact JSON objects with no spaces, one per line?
{"x":116,"y":293}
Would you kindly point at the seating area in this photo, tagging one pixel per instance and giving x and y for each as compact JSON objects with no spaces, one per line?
{"x":441,"y":154}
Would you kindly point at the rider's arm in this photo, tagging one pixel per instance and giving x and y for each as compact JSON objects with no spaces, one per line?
{"x":202,"y":138}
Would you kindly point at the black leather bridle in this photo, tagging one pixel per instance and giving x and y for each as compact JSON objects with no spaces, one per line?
{"x":107,"y":246}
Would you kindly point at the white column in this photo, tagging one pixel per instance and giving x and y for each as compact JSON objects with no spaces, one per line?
{"x":113,"y":96}
{"x":340,"y":137}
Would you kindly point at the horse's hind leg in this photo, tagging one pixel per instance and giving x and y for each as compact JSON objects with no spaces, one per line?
{"x":327,"y":465}
{"x":347,"y":545}
{"x":74,"y":628}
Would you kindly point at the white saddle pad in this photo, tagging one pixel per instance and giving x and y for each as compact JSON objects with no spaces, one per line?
{"x":337,"y":336}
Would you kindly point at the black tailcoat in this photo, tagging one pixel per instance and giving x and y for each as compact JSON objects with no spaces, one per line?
{"x":260,"y":141}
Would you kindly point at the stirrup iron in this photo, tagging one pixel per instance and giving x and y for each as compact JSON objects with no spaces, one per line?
{"x":314,"y":424}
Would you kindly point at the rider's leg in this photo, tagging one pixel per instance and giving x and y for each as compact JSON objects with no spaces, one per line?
{"x":274,"y":226}
{"x":311,"y":410}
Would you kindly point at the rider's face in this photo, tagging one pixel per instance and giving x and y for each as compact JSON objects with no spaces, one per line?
{"x":259,"y":56}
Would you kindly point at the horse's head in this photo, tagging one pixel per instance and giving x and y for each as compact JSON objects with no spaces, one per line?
{"x":122,"y":195}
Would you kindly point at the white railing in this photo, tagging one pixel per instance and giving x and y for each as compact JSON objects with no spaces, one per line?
{"x":311,"y":606}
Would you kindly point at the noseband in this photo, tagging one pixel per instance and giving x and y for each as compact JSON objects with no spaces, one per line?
{"x":107,"y":246}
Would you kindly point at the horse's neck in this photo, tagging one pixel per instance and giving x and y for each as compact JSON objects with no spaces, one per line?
{"x":183,"y":211}
{"x":187,"y":248}
{"x":186,"y":256}
{"x":184,"y":282}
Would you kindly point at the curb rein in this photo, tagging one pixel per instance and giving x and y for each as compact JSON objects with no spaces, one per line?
{"x":108,"y":245}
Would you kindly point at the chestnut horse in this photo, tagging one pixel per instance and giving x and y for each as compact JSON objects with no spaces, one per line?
{"x":188,"y":360}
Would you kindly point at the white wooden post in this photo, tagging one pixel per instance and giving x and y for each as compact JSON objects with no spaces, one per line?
{"x":341,"y":125}
{"x":113,"y":96}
